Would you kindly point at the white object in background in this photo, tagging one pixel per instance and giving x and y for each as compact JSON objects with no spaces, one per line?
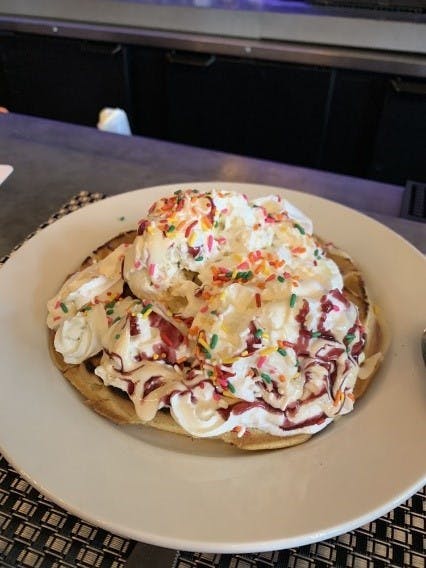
{"x":5,"y":172}
{"x":114,"y":120}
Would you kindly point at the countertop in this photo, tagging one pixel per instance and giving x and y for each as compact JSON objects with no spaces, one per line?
{"x":53,"y":161}
{"x":265,"y":20}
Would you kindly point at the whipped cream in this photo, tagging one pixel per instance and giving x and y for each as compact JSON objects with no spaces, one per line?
{"x":149,"y":386}
{"x":237,"y":319}
{"x":80,"y":336}
{"x":99,"y":282}
{"x":195,"y":413}
{"x":142,"y":334}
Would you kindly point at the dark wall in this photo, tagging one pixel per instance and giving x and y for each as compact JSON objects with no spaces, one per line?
{"x":361,"y":124}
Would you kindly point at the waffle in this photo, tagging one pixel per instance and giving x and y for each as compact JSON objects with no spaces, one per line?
{"x":114,"y":404}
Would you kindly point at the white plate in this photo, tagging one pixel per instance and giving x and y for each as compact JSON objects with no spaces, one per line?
{"x":204,"y":495}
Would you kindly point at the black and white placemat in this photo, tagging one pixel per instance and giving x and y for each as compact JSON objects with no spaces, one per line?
{"x":36,"y":533}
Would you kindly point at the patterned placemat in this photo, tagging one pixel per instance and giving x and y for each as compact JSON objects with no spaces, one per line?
{"x":80,"y":200}
{"x":35,"y":533}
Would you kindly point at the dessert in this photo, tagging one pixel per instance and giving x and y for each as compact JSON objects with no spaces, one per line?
{"x":219,"y":317}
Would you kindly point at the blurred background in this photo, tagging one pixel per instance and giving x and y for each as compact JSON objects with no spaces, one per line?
{"x":338,"y":85}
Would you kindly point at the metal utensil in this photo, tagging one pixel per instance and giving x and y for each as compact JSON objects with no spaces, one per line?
{"x":424,"y":345}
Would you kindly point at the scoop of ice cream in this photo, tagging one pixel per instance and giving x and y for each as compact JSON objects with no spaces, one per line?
{"x":184,"y":234}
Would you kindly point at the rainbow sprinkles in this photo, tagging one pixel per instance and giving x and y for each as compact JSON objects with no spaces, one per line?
{"x":226,"y":313}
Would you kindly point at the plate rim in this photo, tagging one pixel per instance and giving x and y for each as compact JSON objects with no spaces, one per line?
{"x":191,"y":545}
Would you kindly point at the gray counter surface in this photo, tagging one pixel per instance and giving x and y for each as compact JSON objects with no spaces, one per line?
{"x":53,"y":161}
{"x":252,"y":19}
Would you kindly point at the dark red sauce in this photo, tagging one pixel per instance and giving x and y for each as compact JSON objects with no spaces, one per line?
{"x":134,"y":327}
{"x":194,"y":251}
{"x":142,"y":226}
{"x":319,"y":419}
{"x":152,"y":384}
{"x":169,"y":334}
{"x":251,"y":338}
{"x":337,"y":294}
{"x":130,"y":387}
{"x":116,"y":359}
{"x":211,"y":214}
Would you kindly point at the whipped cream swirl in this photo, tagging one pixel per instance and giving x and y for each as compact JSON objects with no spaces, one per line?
{"x":237,"y":318}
